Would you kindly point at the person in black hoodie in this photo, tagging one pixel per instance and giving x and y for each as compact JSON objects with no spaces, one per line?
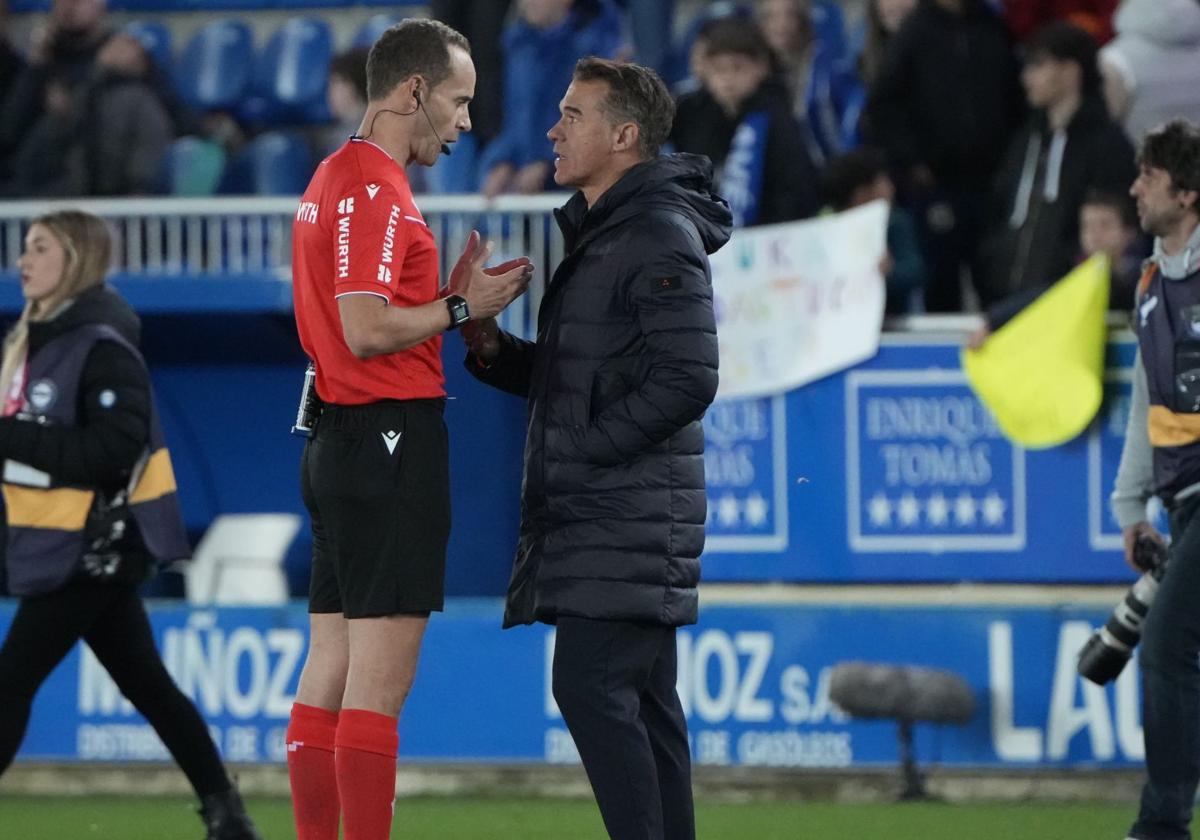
{"x":741,"y":119}
{"x":90,"y":502}
{"x":613,"y":497}
{"x":1069,"y":147}
{"x":943,"y":105}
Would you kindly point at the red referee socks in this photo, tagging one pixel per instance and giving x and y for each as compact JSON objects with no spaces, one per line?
{"x":310,"y":740}
{"x":365,"y":758}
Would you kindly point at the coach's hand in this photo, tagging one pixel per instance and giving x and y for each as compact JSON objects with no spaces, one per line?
{"x":482,"y":339}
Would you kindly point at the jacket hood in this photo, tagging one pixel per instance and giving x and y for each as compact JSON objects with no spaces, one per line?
{"x":97,"y":305}
{"x":681,"y":183}
{"x":1182,"y":265}
{"x":1175,"y":22}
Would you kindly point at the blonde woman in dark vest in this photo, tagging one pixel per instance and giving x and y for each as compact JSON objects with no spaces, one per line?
{"x":90,"y":502}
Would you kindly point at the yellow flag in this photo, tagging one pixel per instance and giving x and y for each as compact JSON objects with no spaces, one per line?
{"x":1042,"y":373}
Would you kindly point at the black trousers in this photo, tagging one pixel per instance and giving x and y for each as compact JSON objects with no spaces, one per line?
{"x":614,"y":682}
{"x":1171,"y":688}
{"x":949,"y":228}
{"x":113,"y":622}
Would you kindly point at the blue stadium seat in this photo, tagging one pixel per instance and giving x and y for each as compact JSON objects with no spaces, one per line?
{"x":214,"y":70}
{"x":290,"y":75}
{"x":193,"y":166}
{"x":155,"y":38}
{"x":274,"y":163}
{"x":373,"y":28}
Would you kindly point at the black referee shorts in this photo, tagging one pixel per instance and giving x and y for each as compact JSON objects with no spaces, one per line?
{"x":375,"y":479}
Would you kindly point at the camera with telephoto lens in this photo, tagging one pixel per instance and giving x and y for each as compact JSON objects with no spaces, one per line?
{"x":1109,"y":648}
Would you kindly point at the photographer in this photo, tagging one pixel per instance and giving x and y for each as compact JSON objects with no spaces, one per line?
{"x":1162,"y":457}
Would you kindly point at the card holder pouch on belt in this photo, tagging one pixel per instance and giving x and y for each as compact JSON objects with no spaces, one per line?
{"x":310,"y":407}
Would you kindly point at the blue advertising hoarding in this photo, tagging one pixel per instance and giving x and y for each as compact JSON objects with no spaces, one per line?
{"x":754,"y":681}
{"x":894,"y":471}
{"x":889,"y":472}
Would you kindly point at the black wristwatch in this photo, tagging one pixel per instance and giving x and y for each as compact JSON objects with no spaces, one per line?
{"x":459,"y":313}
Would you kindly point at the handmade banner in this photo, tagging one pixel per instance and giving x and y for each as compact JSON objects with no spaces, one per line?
{"x":799,"y":301}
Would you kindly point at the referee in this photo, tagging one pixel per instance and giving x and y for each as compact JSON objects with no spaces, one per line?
{"x":374,"y":475}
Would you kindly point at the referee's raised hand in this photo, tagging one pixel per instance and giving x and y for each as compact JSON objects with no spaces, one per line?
{"x":488,"y":290}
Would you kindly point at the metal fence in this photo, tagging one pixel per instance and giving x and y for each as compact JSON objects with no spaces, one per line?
{"x":222,"y":237}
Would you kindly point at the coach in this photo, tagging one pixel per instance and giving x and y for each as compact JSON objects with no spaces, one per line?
{"x":613,"y":504}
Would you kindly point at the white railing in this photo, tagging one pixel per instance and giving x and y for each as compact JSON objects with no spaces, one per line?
{"x":252,"y":235}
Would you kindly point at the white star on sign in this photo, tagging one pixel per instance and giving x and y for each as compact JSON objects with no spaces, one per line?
{"x":937,"y":509}
{"x":909,"y":510}
{"x":994,"y":508}
{"x":964,"y":509}
{"x":880,"y":510}
{"x":728,"y":511}
{"x":756,"y":510}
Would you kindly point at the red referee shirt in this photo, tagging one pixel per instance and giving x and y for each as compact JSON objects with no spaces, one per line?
{"x":357,"y":231}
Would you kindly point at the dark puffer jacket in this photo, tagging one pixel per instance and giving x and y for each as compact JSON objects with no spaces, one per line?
{"x":625,"y":364}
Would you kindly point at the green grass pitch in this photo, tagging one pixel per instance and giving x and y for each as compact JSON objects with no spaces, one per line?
{"x":147,"y":818}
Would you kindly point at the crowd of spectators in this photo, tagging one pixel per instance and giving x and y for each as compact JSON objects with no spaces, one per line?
{"x":1001,"y":131}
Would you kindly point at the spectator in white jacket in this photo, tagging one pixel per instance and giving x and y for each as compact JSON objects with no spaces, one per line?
{"x":1152,"y":68}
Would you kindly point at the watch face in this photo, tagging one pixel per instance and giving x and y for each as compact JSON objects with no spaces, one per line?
{"x":459,"y":312}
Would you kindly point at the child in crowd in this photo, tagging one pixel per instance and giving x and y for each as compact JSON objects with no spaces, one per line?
{"x":1107,"y":224}
{"x":741,"y":119}
{"x":346,"y":93}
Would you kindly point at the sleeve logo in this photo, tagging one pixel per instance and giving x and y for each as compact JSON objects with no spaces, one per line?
{"x":389,"y":237}
{"x":307,"y":212}
{"x":343,"y":248}
{"x":346,"y":206}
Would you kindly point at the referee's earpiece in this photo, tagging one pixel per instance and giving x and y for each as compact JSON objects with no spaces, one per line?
{"x":417,"y":96}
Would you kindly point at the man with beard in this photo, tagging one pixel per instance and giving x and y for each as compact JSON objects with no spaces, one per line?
{"x":1162,"y":458}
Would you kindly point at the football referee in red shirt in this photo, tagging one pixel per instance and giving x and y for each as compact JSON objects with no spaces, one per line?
{"x":374,"y":475}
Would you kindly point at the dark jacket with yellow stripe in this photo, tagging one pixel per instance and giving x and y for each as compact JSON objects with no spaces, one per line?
{"x":1168,"y":328}
{"x":87,"y":482}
